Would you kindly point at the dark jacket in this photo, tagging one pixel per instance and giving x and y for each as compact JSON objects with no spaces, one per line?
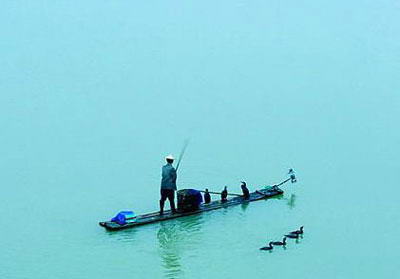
{"x":168,"y":180}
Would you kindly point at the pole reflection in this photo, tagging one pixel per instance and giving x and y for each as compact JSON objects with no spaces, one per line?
{"x":291,"y":201}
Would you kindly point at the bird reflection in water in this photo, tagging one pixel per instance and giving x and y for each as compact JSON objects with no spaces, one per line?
{"x":244,"y":206}
{"x":175,"y":238}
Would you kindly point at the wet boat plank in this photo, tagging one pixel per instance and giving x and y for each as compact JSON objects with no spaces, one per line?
{"x":155,"y":217}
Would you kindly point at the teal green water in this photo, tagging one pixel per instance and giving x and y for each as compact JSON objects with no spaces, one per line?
{"x":93,"y":95}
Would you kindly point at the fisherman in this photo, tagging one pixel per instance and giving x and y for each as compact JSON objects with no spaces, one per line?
{"x":246,"y":193}
{"x":168,"y":184}
{"x":292,"y":176}
{"x":224,"y":194}
{"x":207,"y":197}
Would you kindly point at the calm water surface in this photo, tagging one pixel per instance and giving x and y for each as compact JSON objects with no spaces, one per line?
{"x":93,"y":95}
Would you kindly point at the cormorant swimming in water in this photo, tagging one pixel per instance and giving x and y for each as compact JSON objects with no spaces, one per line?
{"x":283,"y":242}
{"x":246,"y":193}
{"x":224,"y":194}
{"x":207,"y":197}
{"x":298,"y":231}
{"x":270,"y":247}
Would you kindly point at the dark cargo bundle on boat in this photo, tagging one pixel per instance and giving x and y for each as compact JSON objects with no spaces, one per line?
{"x":189,"y":200}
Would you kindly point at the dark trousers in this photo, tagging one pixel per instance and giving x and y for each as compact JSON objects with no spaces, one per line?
{"x":170,"y":194}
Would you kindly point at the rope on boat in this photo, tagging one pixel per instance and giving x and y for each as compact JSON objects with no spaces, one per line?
{"x":218,"y":193}
{"x":292,"y":179}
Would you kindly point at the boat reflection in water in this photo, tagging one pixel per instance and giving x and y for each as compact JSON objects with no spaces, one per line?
{"x":127,"y":236}
{"x":176,"y":238}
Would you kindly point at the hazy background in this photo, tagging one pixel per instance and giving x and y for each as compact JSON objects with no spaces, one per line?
{"x":93,"y":95}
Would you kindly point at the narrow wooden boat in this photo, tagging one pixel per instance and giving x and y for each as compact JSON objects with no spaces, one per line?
{"x":265,"y":193}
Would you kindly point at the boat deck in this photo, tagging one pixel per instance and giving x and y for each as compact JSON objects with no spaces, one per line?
{"x":156,"y":217}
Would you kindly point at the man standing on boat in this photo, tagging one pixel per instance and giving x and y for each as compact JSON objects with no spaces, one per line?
{"x":168,"y":184}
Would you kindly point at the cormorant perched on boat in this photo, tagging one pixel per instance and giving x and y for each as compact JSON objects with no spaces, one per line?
{"x":207,"y":197}
{"x":246,"y":193}
{"x":292,"y":176}
{"x":282,"y":243}
{"x":269,"y":247}
{"x":298,"y":231}
{"x":224,"y":195}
